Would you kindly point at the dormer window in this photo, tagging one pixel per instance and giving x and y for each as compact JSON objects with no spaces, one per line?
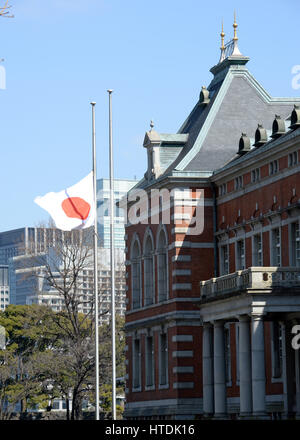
{"x":261,"y":136}
{"x":295,"y":117}
{"x":278,"y":127}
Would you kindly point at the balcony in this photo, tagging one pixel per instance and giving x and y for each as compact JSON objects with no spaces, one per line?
{"x":251,"y":279}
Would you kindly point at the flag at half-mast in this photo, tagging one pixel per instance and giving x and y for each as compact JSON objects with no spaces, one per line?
{"x":72,"y":208}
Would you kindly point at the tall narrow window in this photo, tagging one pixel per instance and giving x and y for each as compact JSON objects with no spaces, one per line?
{"x":148,"y":272}
{"x":163,"y":359}
{"x":149,"y":361}
{"x":295,"y":242}
{"x":162,"y":274}
{"x":276,"y":247}
{"x":136,"y":276}
{"x":257,"y":250}
{"x":224,"y":260}
{"x":136,"y":363}
{"x":276,"y":350}
{"x":240,"y":260}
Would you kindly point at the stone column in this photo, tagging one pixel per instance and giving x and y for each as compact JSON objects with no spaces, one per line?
{"x":208,"y":365}
{"x":219,"y":370}
{"x":258,"y":366}
{"x":245,"y":366}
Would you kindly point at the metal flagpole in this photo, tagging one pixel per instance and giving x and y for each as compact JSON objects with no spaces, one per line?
{"x":95,"y":266}
{"x":112,"y":262}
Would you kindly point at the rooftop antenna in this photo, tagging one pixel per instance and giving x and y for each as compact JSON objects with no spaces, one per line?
{"x":4,"y":11}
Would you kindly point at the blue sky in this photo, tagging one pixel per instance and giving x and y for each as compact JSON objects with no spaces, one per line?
{"x":61,"y":54}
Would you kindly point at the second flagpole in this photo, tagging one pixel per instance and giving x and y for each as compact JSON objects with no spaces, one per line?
{"x":95,"y":267}
{"x":112,"y":261}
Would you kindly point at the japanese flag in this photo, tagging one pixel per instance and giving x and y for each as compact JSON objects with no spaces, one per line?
{"x":72,"y":208}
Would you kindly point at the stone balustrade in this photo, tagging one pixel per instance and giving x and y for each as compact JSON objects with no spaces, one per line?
{"x":254,"y":278}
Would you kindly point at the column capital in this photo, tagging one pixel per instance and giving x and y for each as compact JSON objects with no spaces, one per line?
{"x":218,"y":322}
{"x":243,"y":318}
{"x":257,"y":316}
{"x":207,"y":324}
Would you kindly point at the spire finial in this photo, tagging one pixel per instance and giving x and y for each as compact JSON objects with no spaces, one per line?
{"x":235,"y":51}
{"x":222,"y":57}
{"x":151,"y":125}
{"x":222,"y":37}
{"x":234,"y":27}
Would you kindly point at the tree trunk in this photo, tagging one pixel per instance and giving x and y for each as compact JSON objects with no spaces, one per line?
{"x":76,"y":406}
{"x":68,"y":407}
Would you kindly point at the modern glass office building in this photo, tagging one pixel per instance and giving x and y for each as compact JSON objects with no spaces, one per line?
{"x":4,"y":287}
{"x":121,"y":187}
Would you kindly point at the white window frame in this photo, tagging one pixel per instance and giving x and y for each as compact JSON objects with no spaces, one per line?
{"x":255,"y":175}
{"x":224,"y":263}
{"x":136,"y":264}
{"x":136,"y":365}
{"x":161,"y":360}
{"x":294,"y":243}
{"x":149,"y":363}
{"x":276,"y":351}
{"x":240,"y":259}
{"x":162,"y":253}
{"x":274,"y":247}
{"x":293,"y":159}
{"x":149,"y":271}
{"x":273,"y":167}
{"x":238,"y":182}
{"x":257,"y":253}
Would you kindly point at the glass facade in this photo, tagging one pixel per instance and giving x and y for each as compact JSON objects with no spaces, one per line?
{"x":121,"y":187}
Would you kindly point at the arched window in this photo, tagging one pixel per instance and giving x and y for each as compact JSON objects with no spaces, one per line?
{"x":162,"y":264}
{"x":148,"y":270}
{"x":136,"y":275}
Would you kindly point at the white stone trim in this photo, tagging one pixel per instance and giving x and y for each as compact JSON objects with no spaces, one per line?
{"x":181,"y":216}
{"x":181,"y":258}
{"x":182,"y":286}
{"x":182,"y":353}
{"x":182,"y":338}
{"x":180,"y":230}
{"x":183,"y":385}
{"x":188,"y":244}
{"x":183,"y":370}
{"x":182,"y":272}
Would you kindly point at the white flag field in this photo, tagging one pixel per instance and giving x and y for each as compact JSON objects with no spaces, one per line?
{"x":71,"y":208}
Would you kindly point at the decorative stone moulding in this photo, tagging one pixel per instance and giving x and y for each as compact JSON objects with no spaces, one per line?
{"x":204,"y":96}
{"x":244,"y":144}
{"x":278,"y":127}
{"x":261,"y":136}
{"x":295,"y":117}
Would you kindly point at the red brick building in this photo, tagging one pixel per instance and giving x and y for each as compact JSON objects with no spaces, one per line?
{"x":210,"y":306}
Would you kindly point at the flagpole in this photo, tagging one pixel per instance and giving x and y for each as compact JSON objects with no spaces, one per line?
{"x":95,"y":266}
{"x":112,"y":261}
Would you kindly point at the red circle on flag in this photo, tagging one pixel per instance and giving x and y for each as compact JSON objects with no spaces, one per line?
{"x":75,"y":207}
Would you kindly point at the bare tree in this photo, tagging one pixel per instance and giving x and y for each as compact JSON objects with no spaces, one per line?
{"x":54,"y":267}
{"x":4,"y":11}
